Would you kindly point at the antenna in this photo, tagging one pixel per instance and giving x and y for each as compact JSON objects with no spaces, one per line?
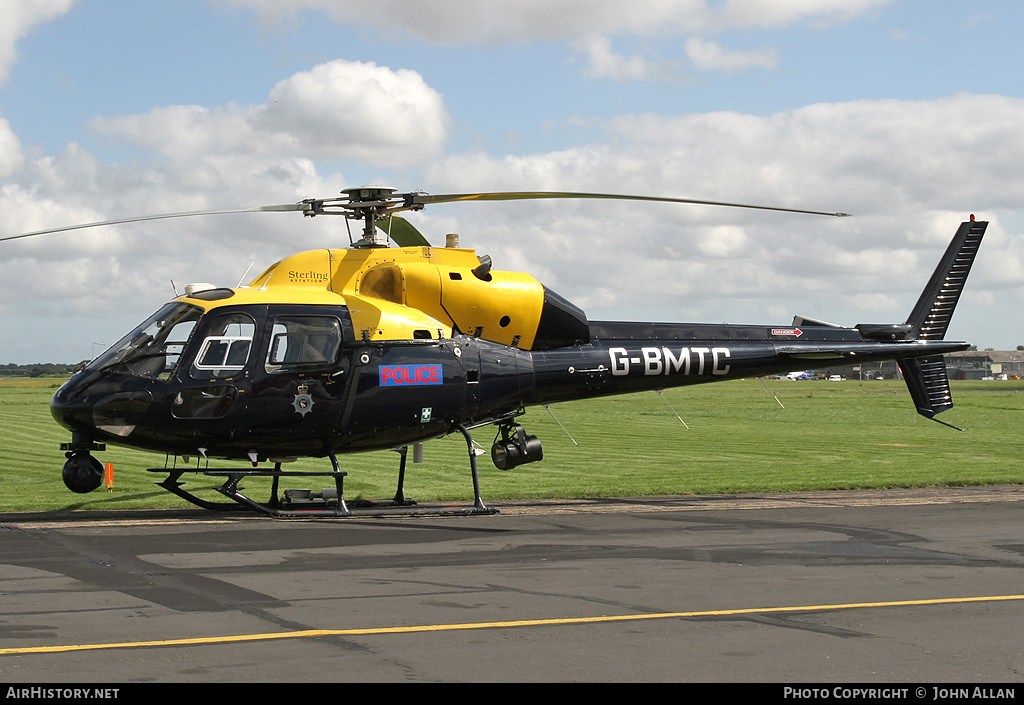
{"x":770,"y":391}
{"x":547,"y":408}
{"x":246,"y":272}
{"x":673,"y":410}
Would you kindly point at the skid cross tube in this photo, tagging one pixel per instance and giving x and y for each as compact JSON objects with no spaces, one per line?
{"x":318,"y":506}
{"x":274,"y":506}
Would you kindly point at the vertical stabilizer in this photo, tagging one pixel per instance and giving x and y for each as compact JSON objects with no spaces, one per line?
{"x":926,"y":375}
{"x":930,"y":317}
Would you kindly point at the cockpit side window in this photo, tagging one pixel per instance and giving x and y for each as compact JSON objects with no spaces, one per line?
{"x":225,"y":349}
{"x":299,"y":342}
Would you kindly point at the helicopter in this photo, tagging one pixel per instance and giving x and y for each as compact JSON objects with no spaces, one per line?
{"x":374,"y":347}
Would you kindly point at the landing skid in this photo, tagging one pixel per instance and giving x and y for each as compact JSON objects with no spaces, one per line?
{"x":333,"y":505}
{"x":329,"y":503}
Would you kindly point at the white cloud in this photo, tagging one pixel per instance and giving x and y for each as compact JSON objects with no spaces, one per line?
{"x":222,"y":157}
{"x":879,"y":303}
{"x":910,"y":171}
{"x":724,"y":241}
{"x":491,"y":21}
{"x":605,"y":63}
{"x":116,"y":275}
{"x":11,"y":156}
{"x":19,"y":18}
{"x":885,"y":155}
{"x":337,"y":110}
{"x":709,"y":56}
{"x":881,"y":157}
{"x":782,"y":13}
{"x":586,"y":24}
{"x":498,"y":21}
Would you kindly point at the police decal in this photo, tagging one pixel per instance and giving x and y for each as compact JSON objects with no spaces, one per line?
{"x":410,"y":375}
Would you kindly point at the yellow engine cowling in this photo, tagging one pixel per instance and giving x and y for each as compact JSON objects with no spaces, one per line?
{"x":417,"y":292}
{"x":503,"y":307}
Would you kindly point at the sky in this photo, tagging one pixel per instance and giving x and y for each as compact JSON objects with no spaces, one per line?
{"x":905,"y":113}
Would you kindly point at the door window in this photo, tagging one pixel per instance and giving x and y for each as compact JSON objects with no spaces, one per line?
{"x":303,"y":341}
{"x":225,"y":349}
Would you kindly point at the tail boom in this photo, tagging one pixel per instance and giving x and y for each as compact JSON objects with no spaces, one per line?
{"x":623,"y":357}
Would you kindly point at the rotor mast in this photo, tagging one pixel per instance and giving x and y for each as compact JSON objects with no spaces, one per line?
{"x":366,"y":203}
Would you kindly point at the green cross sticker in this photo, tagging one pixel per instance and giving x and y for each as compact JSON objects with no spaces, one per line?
{"x":425,"y":414}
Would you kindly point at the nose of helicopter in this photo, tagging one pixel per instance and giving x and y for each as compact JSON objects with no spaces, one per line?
{"x":87,"y":405}
{"x":92,"y":408}
{"x":71,"y":408}
{"x":71,"y":405}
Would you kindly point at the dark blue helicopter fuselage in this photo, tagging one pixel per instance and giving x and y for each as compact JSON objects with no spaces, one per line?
{"x":378,"y":395}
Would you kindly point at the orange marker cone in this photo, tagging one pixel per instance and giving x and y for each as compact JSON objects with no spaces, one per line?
{"x":108,"y":476}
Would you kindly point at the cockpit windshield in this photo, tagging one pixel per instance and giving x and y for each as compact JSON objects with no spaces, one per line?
{"x":153,"y":348}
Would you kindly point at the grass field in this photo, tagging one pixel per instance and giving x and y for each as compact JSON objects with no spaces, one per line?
{"x":830,"y":435}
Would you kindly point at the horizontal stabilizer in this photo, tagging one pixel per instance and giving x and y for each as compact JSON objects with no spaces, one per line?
{"x":812,"y":352}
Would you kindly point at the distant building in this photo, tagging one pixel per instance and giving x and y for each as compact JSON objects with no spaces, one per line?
{"x":977,"y":364}
{"x":970,"y":364}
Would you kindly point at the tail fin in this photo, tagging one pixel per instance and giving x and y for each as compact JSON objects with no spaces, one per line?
{"x":926,"y":375}
{"x":930,"y":317}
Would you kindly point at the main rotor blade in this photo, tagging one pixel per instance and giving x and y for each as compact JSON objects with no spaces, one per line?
{"x":532,"y":195}
{"x":257,"y":209}
{"x":317,"y":207}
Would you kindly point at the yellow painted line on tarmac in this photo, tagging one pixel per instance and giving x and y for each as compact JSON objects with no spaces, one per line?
{"x":313,"y":633}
